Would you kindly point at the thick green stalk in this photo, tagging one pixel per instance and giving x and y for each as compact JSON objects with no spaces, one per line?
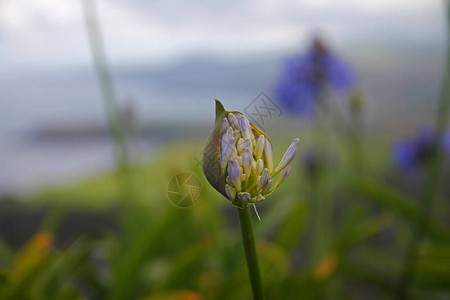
{"x":432,"y":181}
{"x":245,"y":219}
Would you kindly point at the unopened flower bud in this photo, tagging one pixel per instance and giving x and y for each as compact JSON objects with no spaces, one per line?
{"x":234,"y":173}
{"x":265,"y":177}
{"x":231,"y":192}
{"x":233,"y":121}
{"x":284,"y":174}
{"x":240,"y":146}
{"x":238,"y":159}
{"x":248,"y":144}
{"x":225,"y":126}
{"x":245,"y":128}
{"x":227,"y":153}
{"x":288,"y":156}
{"x":247,"y":159}
{"x":244,"y":197}
{"x":259,"y":166}
{"x":267,"y":186}
{"x":237,"y":135}
{"x":268,"y":156}
{"x":259,"y":147}
{"x":227,"y":136}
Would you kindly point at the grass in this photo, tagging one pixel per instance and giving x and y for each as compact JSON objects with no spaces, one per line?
{"x":197,"y":251}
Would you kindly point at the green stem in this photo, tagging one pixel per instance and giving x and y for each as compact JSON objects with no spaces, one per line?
{"x":114,"y":117}
{"x":245,"y":219}
{"x":321,"y":203}
{"x":356,"y":137}
{"x":106,"y":85}
{"x":319,"y":222}
{"x":432,"y":180}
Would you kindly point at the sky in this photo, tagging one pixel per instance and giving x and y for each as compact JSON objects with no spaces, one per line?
{"x":46,"y":34}
{"x":52,"y":32}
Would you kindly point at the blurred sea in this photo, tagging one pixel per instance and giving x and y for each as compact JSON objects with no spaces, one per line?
{"x":53,"y":125}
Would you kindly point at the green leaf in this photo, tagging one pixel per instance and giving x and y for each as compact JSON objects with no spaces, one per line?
{"x":372,"y":268}
{"x":366,"y":229}
{"x":185,"y":263}
{"x":433,"y":267}
{"x":140,"y":247}
{"x":397,"y":202}
{"x":293,"y":226}
{"x":211,"y":153}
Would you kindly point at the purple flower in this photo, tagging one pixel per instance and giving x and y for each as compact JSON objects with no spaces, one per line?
{"x":304,"y":78}
{"x":415,"y":152}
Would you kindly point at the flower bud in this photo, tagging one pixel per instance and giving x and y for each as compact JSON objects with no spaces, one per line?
{"x":231,"y":192}
{"x":234,"y":173}
{"x":237,"y":135}
{"x":264,"y":180}
{"x":259,"y":166}
{"x":225,"y":126}
{"x":244,"y":197}
{"x":238,"y":116}
{"x":237,"y":160}
{"x":284,"y":174}
{"x":267,"y":186}
{"x":248,"y":144}
{"x":288,"y":156}
{"x":240,"y":146}
{"x":228,"y":135}
{"x":247,"y":159}
{"x":253,"y":168}
{"x":268,"y":155}
{"x":227,"y":153}
{"x":233,"y":121}
{"x":259,"y":147}
{"x":253,"y":139}
{"x":245,"y":128}
{"x":259,"y":198}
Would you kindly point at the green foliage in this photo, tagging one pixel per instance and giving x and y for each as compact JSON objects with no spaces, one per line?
{"x":165,"y":252}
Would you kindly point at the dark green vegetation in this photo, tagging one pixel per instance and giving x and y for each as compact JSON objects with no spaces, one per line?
{"x":340,"y":234}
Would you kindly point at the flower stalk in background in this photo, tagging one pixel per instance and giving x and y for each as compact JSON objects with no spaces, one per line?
{"x":356,"y":132}
{"x":314,"y":162}
{"x":238,"y":163}
{"x":434,"y":168}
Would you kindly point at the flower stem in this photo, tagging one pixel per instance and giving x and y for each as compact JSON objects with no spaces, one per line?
{"x":432,"y":181}
{"x":356,"y":139}
{"x":112,"y":110}
{"x":245,"y":219}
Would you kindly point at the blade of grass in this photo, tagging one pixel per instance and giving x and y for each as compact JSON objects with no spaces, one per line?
{"x":396,"y":201}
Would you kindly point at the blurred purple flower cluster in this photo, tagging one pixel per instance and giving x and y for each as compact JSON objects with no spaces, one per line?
{"x":303,"y":78}
{"x":415,"y":152}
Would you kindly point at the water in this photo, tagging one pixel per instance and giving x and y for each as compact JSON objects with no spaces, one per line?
{"x":53,"y":125}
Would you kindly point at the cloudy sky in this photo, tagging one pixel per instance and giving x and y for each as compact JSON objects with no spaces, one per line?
{"x":52,"y":32}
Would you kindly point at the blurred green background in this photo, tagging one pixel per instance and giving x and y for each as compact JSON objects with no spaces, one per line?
{"x":104,"y":103}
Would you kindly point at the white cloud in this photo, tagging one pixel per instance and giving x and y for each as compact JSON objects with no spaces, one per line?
{"x":52,"y":31}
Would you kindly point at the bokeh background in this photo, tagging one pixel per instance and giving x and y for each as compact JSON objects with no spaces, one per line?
{"x":78,"y":220}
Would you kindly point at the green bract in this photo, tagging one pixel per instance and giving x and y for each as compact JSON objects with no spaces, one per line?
{"x":237,"y":161}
